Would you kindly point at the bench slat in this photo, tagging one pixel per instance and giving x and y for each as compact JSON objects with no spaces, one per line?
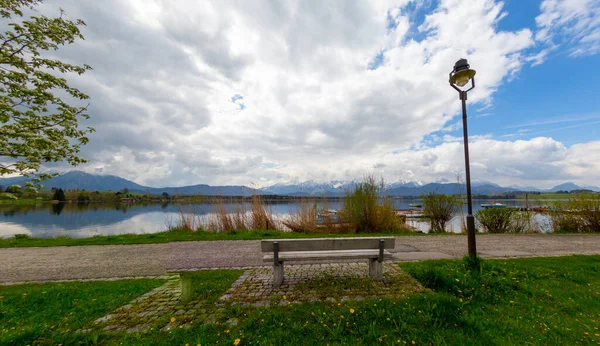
{"x":324,"y":244}
{"x":326,"y":255}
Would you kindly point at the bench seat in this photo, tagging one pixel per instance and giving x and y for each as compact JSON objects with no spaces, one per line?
{"x":279,"y":251}
{"x":326,"y":255}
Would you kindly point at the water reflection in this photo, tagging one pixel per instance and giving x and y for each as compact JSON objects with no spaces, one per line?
{"x":84,"y":220}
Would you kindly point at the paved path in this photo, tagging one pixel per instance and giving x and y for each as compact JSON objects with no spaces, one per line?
{"x":88,"y":262}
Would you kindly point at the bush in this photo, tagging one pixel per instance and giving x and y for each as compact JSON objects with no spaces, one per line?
{"x":83,"y":197}
{"x":581,"y":214}
{"x":8,"y":196}
{"x":440,"y":209}
{"x":363,"y":212}
{"x":495,"y":220}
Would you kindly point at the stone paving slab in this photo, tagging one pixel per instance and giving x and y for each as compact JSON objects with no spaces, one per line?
{"x":309,"y":282}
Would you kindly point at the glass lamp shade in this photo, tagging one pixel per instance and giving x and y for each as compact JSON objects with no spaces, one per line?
{"x":461,"y":78}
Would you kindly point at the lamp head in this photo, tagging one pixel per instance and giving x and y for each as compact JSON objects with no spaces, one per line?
{"x":462,"y":74}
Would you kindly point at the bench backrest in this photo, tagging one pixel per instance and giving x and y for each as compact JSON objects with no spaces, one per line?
{"x":324,"y":244}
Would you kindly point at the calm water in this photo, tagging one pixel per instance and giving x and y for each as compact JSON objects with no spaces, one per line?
{"x":86,"y":220}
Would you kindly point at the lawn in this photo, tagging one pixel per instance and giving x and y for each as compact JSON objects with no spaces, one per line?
{"x":506,"y":302}
{"x":41,"y":313}
{"x":172,"y":236}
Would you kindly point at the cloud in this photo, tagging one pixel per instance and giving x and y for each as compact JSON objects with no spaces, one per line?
{"x":231,"y":92}
{"x":575,"y":24}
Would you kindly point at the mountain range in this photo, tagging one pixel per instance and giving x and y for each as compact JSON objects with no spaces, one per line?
{"x":92,"y":182}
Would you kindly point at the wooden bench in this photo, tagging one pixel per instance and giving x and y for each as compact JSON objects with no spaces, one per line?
{"x":330,"y":249}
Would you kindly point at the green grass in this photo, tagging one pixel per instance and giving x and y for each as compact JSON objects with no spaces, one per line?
{"x":209,"y":285}
{"x":172,"y":236}
{"x":40,"y":313}
{"x":534,"y":301}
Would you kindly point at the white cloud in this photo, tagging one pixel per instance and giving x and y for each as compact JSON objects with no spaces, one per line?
{"x":574,"y":23}
{"x":165,"y":74}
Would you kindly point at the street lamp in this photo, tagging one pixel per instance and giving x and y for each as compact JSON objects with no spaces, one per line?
{"x":461,"y":75}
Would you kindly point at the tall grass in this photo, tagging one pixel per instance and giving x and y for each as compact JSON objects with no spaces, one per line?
{"x":305,"y":218}
{"x":261,"y":216}
{"x":363,"y":211}
{"x":227,"y":217}
{"x":187,"y":219}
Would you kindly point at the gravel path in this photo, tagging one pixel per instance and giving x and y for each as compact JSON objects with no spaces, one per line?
{"x":88,"y":262}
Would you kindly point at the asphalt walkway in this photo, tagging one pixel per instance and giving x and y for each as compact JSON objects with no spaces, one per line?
{"x":110,"y":261}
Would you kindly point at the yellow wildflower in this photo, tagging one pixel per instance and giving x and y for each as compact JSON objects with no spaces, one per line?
{"x":227,"y":331}
{"x":237,"y":342}
{"x":351,"y":311}
{"x":172,"y":319}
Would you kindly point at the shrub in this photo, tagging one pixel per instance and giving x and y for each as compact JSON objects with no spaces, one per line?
{"x":581,"y":214}
{"x":83,"y":197}
{"x":495,"y":220}
{"x":524,"y":222}
{"x":363,"y":212}
{"x":440,"y":209}
{"x":8,"y":196}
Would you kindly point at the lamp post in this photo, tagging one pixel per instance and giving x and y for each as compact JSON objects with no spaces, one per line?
{"x":460,"y":76}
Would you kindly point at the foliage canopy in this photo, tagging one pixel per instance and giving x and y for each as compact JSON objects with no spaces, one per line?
{"x":39,"y":115}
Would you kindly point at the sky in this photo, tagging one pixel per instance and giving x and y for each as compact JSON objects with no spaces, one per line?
{"x":260,"y":92}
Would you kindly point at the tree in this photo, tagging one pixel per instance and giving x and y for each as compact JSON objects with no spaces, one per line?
{"x":59,"y":195}
{"x":440,"y":209}
{"x":36,"y":124}
{"x":14,"y":189}
{"x":165,"y":195}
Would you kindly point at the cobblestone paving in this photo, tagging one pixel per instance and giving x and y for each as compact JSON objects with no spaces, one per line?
{"x":162,"y":309}
{"x":336,"y":282}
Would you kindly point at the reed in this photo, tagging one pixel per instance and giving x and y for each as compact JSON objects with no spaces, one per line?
{"x":305,"y":218}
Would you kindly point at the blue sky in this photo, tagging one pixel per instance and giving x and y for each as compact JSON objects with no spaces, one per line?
{"x":559,"y":98}
{"x":563,"y":90}
{"x":264,"y":92}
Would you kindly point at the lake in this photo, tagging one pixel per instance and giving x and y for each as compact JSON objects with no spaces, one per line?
{"x":47,"y":220}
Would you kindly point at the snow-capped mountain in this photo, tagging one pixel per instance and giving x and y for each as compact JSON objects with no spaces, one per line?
{"x":310,"y":188}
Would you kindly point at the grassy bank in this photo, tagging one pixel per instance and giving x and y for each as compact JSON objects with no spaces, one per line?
{"x":507,"y":302}
{"x":177,"y":235}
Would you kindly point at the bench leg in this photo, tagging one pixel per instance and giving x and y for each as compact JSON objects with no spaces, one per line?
{"x":186,"y":287}
{"x":375,"y":269}
{"x":277,"y":275}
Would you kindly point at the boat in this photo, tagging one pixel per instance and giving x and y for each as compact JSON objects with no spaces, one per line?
{"x":327,"y":216}
{"x":415,"y":205}
{"x":493,"y":206}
